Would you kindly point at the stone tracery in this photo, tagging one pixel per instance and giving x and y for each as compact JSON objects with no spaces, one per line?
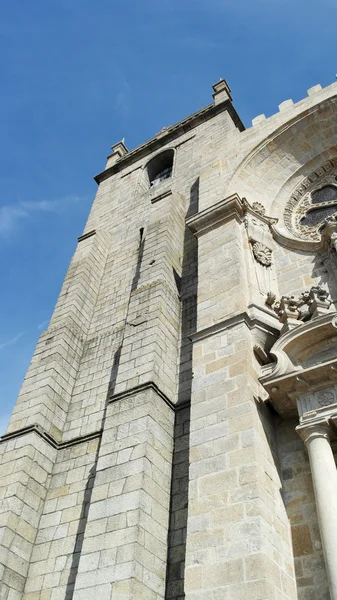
{"x":313,"y":201}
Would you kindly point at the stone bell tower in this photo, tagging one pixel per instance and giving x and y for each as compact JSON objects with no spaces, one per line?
{"x":153,"y":452}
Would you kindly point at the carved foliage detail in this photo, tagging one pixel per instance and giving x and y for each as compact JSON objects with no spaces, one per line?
{"x":259,"y":208}
{"x":325,"y":397}
{"x":262,"y":253}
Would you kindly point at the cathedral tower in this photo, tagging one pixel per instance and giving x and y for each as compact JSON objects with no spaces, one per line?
{"x":153,"y":452}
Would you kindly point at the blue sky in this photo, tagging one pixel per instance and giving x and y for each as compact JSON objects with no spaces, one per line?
{"x":79,"y":75}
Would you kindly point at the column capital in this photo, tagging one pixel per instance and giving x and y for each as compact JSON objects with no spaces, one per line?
{"x":314,"y":430}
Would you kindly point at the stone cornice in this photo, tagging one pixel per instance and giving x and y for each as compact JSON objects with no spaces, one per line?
{"x":170,"y":134}
{"x":81,"y":439}
{"x":306,"y":361}
{"x":148,"y":385}
{"x":233,"y":321}
{"x":161,"y":196}
{"x":38,"y":430}
{"x":230,"y":208}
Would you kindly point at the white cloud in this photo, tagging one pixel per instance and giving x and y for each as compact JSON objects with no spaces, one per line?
{"x":11,"y":214}
{"x":11,"y":341}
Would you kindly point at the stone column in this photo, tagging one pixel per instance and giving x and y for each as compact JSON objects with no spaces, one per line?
{"x":316,"y":437}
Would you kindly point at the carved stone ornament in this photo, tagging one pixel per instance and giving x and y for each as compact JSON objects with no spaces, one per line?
{"x":325,"y":397}
{"x":259,"y":208}
{"x":328,"y":233}
{"x":314,"y":403}
{"x":310,"y":304}
{"x":262,"y":253}
{"x":305,"y":367}
{"x":312,"y":202}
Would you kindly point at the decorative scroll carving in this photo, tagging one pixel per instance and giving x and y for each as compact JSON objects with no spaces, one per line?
{"x":262,"y":253}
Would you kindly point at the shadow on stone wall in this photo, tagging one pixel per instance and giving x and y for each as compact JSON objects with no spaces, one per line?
{"x":299,"y":501}
{"x":180,"y":464}
{"x":178,"y":512}
{"x":89,"y":487}
{"x":296,"y":491}
{"x":91,"y":480}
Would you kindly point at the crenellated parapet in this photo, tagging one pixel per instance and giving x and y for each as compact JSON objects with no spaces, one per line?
{"x":288,"y":108}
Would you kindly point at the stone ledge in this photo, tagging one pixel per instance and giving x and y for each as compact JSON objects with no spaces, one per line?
{"x":233,"y":322}
{"x":305,"y":362}
{"x":86,"y":235}
{"x":230,"y":208}
{"x":161,"y":196}
{"x":48,"y":438}
{"x":141,"y":388}
{"x":37,"y":429}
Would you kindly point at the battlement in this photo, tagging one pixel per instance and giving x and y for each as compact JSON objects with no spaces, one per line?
{"x":315,"y":95}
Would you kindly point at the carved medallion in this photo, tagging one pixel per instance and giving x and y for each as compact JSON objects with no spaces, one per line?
{"x":262,"y":253}
{"x":312,"y":202}
{"x":325,"y":397}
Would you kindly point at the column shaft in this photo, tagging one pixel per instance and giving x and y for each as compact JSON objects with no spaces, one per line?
{"x":324,"y":477}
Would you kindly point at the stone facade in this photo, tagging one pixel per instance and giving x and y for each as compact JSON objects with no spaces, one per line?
{"x":174,"y":436}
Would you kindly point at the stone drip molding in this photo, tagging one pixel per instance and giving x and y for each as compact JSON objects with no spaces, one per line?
{"x":38,"y":430}
{"x":234,"y":321}
{"x":143,"y":387}
{"x":232,"y":207}
{"x":81,"y":439}
{"x":289,"y":105}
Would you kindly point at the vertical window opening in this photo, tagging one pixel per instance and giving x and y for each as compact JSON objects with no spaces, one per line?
{"x":160,"y":168}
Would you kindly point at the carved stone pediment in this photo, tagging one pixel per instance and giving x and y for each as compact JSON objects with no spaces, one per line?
{"x":306,"y":360}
